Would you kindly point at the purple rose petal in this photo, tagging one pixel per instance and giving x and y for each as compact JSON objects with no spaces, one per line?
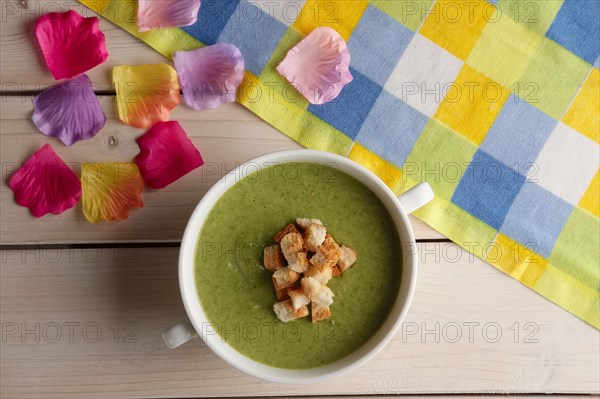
{"x":69,"y":111}
{"x":210,"y":76}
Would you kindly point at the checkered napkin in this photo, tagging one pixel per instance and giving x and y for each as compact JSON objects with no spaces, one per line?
{"x":495,"y":104}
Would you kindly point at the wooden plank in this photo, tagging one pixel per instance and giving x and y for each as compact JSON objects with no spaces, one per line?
{"x":46,"y":294}
{"x":23,"y":67}
{"x":226,"y":137}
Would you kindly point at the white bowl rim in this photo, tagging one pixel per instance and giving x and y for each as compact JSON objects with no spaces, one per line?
{"x":344,"y":365}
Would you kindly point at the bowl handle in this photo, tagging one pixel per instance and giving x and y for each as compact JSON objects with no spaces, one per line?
{"x":416,"y":197}
{"x":179,"y":334}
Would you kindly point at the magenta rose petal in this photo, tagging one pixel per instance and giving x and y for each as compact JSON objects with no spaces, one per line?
{"x":69,"y":111}
{"x":157,"y":14}
{"x":210,"y":76}
{"x":318,"y":66}
{"x":45,"y":184}
{"x":71,"y":44}
{"x":166,"y":154}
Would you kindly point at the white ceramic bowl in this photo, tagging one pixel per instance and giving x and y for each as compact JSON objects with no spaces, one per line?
{"x":399,"y":208}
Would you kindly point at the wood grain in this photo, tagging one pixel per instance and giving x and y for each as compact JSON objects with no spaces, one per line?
{"x":135,"y":292}
{"x":226,"y":137}
{"x":23,"y":67}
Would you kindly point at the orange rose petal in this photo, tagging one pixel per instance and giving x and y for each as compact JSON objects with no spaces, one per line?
{"x":146,"y":94}
{"x":110,"y":190}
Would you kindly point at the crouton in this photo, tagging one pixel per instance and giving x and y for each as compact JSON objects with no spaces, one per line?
{"x":311,"y":286}
{"x":284,"y":278}
{"x":319,"y":312}
{"x":299,"y":281}
{"x":317,"y":291}
{"x":323,"y":296}
{"x":322,"y":275}
{"x":290,"y":228}
{"x":347,"y":258}
{"x":327,"y":254}
{"x":298,"y":262}
{"x":330,"y":248}
{"x":304,"y":223}
{"x":320,"y":261}
{"x":335,"y":271}
{"x":281,"y":293}
{"x":291,"y":243}
{"x":314,"y":235}
{"x":285,"y":311}
{"x":298,"y":297}
{"x":273,"y":258}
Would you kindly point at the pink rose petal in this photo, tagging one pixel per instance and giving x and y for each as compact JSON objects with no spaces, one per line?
{"x":318,"y":66}
{"x":71,"y":44}
{"x":156,"y":14}
{"x":211,"y":75}
{"x":45,"y":184}
{"x":69,"y":111}
{"x":166,"y":154}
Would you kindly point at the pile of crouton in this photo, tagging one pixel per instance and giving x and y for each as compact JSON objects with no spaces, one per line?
{"x":303,"y":261}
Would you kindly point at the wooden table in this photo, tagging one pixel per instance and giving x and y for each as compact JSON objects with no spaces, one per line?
{"x":83,"y":306}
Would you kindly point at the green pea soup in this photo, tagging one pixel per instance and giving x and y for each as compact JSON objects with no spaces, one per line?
{"x":236,"y":292}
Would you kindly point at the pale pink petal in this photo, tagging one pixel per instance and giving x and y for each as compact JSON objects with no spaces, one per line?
{"x":210,"y":76}
{"x":318,"y":66}
{"x":157,"y":14}
{"x":71,"y":44}
{"x":69,"y":111}
{"x":45,"y":184}
{"x":166,"y":154}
